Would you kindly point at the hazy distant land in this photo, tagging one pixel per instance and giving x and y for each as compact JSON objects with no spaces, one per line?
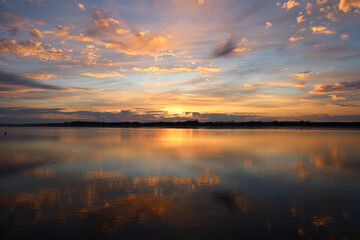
{"x":196,"y":124}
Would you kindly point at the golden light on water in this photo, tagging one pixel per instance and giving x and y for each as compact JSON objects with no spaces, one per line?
{"x":110,"y":178}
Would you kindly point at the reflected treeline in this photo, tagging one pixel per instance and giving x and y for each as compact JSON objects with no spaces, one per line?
{"x":306,"y":154}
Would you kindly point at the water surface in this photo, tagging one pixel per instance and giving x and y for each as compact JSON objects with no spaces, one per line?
{"x":105,"y":183}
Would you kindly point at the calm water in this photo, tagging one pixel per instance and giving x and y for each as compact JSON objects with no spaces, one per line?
{"x":88,"y":183}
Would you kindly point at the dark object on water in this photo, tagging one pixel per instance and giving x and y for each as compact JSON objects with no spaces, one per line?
{"x":5,"y":133}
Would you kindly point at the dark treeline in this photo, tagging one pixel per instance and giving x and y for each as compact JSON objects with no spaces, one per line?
{"x":196,"y":124}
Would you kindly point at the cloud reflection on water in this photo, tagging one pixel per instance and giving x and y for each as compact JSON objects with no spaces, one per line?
{"x":180,"y":180}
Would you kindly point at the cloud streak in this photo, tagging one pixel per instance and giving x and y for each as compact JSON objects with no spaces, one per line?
{"x":231,"y":46}
{"x":179,"y":69}
{"x":322,"y":30}
{"x":102,"y":75}
{"x":11,"y":22}
{"x":302,"y":75}
{"x":336,"y":87}
{"x":13,"y":83}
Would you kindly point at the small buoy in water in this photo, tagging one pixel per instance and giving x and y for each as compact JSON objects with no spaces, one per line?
{"x":5,"y":133}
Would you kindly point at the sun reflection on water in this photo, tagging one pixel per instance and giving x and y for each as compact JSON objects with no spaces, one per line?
{"x":277,"y":182}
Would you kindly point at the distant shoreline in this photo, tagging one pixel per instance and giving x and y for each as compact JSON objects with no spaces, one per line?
{"x":197,"y":124}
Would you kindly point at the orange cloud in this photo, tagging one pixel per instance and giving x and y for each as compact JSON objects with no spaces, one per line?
{"x":290,"y":4}
{"x":268,"y":25}
{"x":207,"y":69}
{"x":103,"y":25}
{"x":300,"y":19}
{"x":144,"y":40}
{"x":102,"y":75}
{"x":345,"y":36}
{"x":113,"y":34}
{"x":81,"y":6}
{"x":40,"y":75}
{"x":104,"y":22}
{"x":120,"y":31}
{"x":31,"y":48}
{"x":336,"y":98}
{"x":36,"y":33}
{"x":148,"y":45}
{"x":302,"y":75}
{"x":336,"y":87}
{"x":64,"y":35}
{"x":80,"y":37}
{"x":321,"y":30}
{"x":62,"y":30}
{"x":332,"y":16}
{"x":308,"y":8}
{"x":345,"y":5}
{"x":297,"y":37}
{"x":141,"y":43}
{"x":298,"y":85}
{"x":321,"y":2}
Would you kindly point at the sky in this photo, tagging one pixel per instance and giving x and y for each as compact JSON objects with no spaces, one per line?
{"x":177,"y":60}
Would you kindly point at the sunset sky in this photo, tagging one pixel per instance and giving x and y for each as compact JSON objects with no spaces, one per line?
{"x":174,"y":60}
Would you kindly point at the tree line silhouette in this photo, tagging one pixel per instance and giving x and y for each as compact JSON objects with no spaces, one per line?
{"x":196,"y":124}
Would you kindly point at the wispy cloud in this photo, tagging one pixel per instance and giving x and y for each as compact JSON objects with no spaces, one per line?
{"x":102,"y":75}
{"x":302,"y":75}
{"x":178,"y":69}
{"x":11,"y":22}
{"x":321,"y":30}
{"x":40,"y":75}
{"x":297,"y":36}
{"x":13,"y":83}
{"x":336,"y":98}
{"x":63,"y":30}
{"x":35,"y":1}
{"x":38,"y":22}
{"x":336,"y":87}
